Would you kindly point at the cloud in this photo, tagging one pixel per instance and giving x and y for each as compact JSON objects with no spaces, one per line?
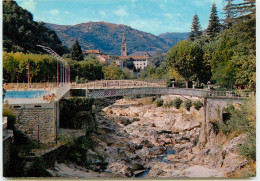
{"x":30,"y":5}
{"x":103,"y":13}
{"x":54,"y":12}
{"x":120,"y":12}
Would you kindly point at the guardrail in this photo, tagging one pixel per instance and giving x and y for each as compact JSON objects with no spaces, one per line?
{"x":32,"y":86}
{"x":115,"y":84}
{"x":169,"y":91}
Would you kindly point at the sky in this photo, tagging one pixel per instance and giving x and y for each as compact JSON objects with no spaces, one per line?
{"x":153,"y":16}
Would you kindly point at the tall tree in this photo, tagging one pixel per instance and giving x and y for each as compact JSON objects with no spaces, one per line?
{"x":76,"y":52}
{"x":214,"y":25}
{"x":187,"y":59}
{"x":229,"y":14}
{"x":195,"y":28}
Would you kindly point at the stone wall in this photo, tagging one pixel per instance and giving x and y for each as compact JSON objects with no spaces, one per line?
{"x":7,"y":144}
{"x":37,"y":121}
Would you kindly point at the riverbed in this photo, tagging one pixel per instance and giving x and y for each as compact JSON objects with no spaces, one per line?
{"x":137,"y":139}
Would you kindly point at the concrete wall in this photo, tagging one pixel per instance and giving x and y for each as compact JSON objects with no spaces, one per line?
{"x":38,"y":122}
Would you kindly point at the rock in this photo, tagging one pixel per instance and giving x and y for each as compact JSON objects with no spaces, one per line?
{"x":121,"y":168}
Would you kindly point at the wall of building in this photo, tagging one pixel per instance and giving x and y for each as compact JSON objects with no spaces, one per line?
{"x":38,"y":122}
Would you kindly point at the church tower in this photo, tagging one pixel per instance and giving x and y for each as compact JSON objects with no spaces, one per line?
{"x":124,"y":46}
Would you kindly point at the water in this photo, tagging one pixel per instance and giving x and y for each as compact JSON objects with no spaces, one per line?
{"x":24,"y":94}
{"x":160,"y":158}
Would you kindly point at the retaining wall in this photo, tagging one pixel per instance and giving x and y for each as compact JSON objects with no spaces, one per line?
{"x":37,"y":121}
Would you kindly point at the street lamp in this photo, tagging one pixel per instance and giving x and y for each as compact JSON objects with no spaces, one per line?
{"x":63,"y":65}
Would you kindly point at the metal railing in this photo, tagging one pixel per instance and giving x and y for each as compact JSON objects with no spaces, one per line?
{"x":32,"y":86}
{"x":115,"y":84}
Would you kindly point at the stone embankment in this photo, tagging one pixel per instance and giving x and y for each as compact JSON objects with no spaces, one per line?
{"x":136,"y":138}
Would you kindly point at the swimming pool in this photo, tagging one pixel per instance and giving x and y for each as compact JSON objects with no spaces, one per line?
{"x":24,"y":94}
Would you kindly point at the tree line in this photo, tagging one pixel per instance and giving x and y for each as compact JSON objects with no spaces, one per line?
{"x":225,"y":53}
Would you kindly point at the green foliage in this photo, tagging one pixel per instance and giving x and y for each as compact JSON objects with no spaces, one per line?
{"x":197,"y":105}
{"x":214,"y":25}
{"x":177,"y":102}
{"x":76,"y":52}
{"x":168,"y":104}
{"x":187,"y":59}
{"x":242,"y":120}
{"x":8,"y":112}
{"x":129,"y":64}
{"x":21,"y":33}
{"x":195,"y":28}
{"x":158,"y":102}
{"x":113,"y":72}
{"x":151,"y":72}
{"x":188,"y":104}
{"x":248,"y":149}
{"x":157,"y":59}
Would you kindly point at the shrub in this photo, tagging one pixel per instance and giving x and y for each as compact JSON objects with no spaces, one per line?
{"x":158,"y":102}
{"x":177,"y":102}
{"x":146,"y":101}
{"x":8,"y":112}
{"x":197,"y":104}
{"x":248,"y":149}
{"x":168,"y":104}
{"x":187,"y":104}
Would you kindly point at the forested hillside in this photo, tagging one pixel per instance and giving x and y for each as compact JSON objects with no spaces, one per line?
{"x":21,"y":33}
{"x":107,"y":37}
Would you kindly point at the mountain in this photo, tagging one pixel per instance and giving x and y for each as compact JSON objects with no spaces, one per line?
{"x":107,"y":37}
{"x":21,"y":33}
{"x":175,"y":37}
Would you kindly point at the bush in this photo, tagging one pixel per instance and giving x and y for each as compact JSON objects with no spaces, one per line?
{"x":188,"y":104}
{"x":168,"y":104}
{"x":158,"y":102}
{"x":248,"y":149}
{"x":177,"y":102}
{"x":197,"y":104}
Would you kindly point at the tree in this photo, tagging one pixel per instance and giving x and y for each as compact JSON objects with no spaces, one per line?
{"x":214,"y":25}
{"x":186,"y":58}
{"x":195,"y":28}
{"x":229,"y":14}
{"x":76,"y":52}
{"x":129,"y":64}
{"x":157,"y":59}
{"x":113,"y":72}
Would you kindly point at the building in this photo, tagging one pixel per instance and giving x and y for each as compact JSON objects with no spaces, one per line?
{"x":92,"y":52}
{"x":140,"y":59}
{"x":124,"y":47}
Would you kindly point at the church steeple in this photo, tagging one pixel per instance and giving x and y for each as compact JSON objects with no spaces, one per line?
{"x":124,"y":46}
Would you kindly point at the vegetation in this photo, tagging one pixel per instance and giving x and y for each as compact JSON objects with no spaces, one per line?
{"x":76,"y":52}
{"x":186,"y":58}
{"x":188,"y":104}
{"x":242,"y":120}
{"x":113,"y":72}
{"x":177,"y":102}
{"x":197,"y":104}
{"x":214,"y":24}
{"x":22,"y":34}
{"x":158,"y":102}
{"x":195,"y":28}
{"x":227,"y":56}
{"x":107,"y":37}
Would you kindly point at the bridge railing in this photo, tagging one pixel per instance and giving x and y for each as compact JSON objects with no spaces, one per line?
{"x":230,"y":94}
{"x":108,"y":84}
{"x":24,"y":86}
